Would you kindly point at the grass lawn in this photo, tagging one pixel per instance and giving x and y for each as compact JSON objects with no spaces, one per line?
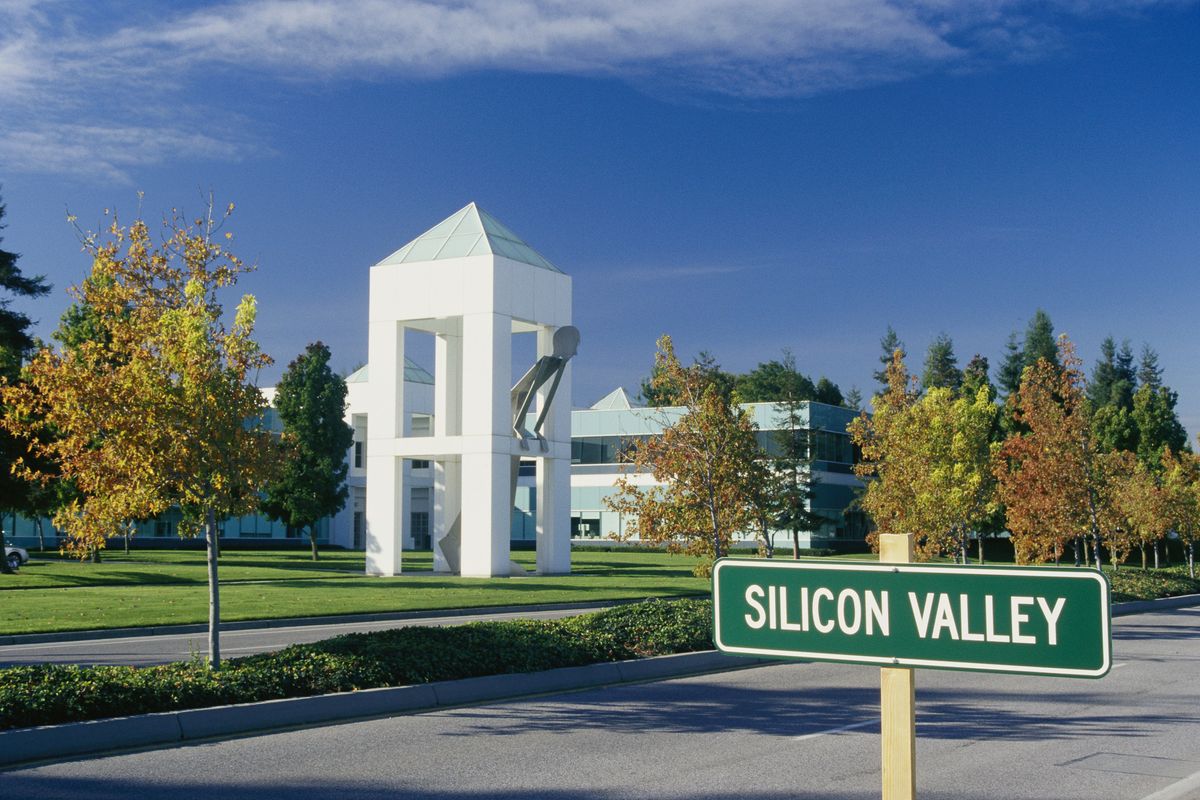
{"x":154,"y":587}
{"x":170,"y":587}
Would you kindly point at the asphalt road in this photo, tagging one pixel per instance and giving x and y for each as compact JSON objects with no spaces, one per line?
{"x":164,"y":648}
{"x":788,"y":731}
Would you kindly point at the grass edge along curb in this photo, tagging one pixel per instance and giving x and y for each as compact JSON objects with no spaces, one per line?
{"x":20,"y":746}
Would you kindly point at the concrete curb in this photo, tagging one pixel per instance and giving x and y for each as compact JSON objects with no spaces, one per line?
{"x":299,"y":622}
{"x":48,"y":742}
{"x":1160,"y":604}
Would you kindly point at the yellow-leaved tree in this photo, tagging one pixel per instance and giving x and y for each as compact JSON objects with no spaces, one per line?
{"x":927,"y":463}
{"x":158,"y":408}
{"x":706,"y":465}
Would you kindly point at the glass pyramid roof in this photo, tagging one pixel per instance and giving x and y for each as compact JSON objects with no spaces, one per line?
{"x":413,"y":373}
{"x":616,"y":400}
{"x":470,"y":231}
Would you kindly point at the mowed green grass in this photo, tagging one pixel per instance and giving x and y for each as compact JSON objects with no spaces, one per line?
{"x":150,"y":587}
{"x":165,"y":588}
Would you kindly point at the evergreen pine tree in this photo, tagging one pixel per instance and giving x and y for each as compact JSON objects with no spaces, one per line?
{"x":853,"y":399}
{"x":1039,"y":340}
{"x":975,"y":376}
{"x":1104,"y":374}
{"x":15,"y":344}
{"x":1009,"y":375}
{"x":1149,"y":372}
{"x":941,"y":365}
{"x":889,"y":344}
{"x":828,"y":392}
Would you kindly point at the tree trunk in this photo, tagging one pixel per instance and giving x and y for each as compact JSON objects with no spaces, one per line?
{"x":312,"y":538}
{"x":1099,"y":560}
{"x":796,"y":544}
{"x":979,"y":538}
{"x":1078,"y":560}
{"x":41,"y":537}
{"x":1143,"y":549}
{"x":1156,"y":563}
{"x":214,"y":595}
{"x":1191,"y":557}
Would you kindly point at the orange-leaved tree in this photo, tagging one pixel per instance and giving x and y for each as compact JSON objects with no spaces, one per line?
{"x":705,"y":466}
{"x":1050,"y":480}
{"x":158,"y":409}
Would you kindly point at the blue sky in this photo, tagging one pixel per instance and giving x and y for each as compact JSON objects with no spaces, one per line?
{"x":745,"y":175}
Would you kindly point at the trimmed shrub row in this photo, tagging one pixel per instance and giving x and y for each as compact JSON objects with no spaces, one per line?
{"x":48,"y":694}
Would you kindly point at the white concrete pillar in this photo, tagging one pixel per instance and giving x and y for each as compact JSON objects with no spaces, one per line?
{"x":486,"y":427}
{"x":554,"y":472}
{"x":447,"y":390}
{"x":385,"y":514}
{"x":553,"y":516}
{"x":486,"y":517}
{"x":447,"y":505}
{"x":385,"y":472}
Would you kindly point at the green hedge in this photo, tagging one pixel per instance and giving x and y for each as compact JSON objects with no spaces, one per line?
{"x":49,"y":694}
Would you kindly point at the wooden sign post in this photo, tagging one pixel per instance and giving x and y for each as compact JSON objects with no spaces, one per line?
{"x":897,"y":699}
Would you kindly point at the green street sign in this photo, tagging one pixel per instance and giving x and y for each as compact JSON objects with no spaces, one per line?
{"x":1035,"y":620}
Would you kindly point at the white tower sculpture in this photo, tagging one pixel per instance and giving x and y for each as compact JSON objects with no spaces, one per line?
{"x":472,"y":283}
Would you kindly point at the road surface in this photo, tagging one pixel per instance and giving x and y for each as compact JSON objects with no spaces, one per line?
{"x":787,"y":731}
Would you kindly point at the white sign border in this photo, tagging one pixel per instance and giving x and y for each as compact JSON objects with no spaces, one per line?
{"x":1105,"y":622}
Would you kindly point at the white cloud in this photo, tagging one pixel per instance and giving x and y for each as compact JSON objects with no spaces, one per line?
{"x":55,"y":61}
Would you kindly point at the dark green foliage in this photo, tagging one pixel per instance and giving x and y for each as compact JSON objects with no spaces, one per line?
{"x":15,"y":345}
{"x":663,"y":394}
{"x":1158,"y":425}
{"x":1114,"y":429}
{"x":1104,"y":374}
{"x":828,"y":392}
{"x":15,"y":340}
{"x":1039,"y":340}
{"x":775,"y":380}
{"x":1011,"y":368}
{"x":975,"y":377}
{"x":48,"y":694}
{"x":311,"y":485}
{"x":1149,"y":372}
{"x":853,"y":399}
{"x":941,"y":365}
{"x":889,"y":344}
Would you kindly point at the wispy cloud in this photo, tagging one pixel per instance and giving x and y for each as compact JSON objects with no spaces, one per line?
{"x":671,"y":273}
{"x":56,"y":59}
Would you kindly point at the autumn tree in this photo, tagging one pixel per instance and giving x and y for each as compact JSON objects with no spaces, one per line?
{"x":1049,"y":478}
{"x":311,"y":484}
{"x":159,"y":410}
{"x":704,"y":465}
{"x":1141,"y":502}
{"x":926,"y":461}
{"x":1181,"y":500}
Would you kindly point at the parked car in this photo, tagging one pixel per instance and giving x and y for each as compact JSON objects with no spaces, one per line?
{"x":16,"y":556}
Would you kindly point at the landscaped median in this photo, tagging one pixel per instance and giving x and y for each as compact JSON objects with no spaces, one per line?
{"x":49,"y":694}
